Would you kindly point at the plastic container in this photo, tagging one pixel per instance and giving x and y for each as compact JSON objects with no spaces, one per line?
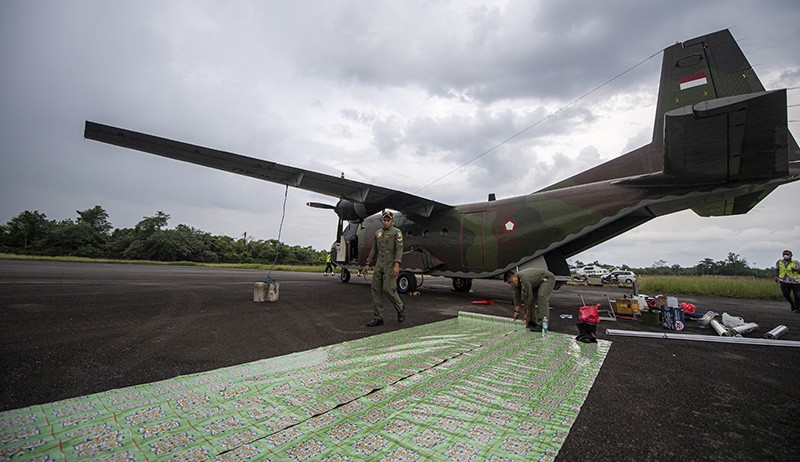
{"x":544,"y":325}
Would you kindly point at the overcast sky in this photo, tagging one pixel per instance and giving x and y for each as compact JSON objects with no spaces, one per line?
{"x":392,"y":93}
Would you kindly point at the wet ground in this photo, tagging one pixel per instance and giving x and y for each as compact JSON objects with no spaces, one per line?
{"x":72,"y":329}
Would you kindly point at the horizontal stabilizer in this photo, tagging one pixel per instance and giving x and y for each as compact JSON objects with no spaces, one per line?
{"x":728,"y":139}
{"x":738,"y":205}
{"x":737,"y":138}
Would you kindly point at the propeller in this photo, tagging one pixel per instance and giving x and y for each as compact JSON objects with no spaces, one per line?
{"x":347,"y":210}
{"x":318,"y":205}
{"x":354,"y":212}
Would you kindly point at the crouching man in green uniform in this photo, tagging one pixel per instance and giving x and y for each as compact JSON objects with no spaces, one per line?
{"x":532,"y":286}
{"x":388,"y":247}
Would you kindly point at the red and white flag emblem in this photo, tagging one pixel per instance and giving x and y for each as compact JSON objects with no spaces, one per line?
{"x":693,"y":80}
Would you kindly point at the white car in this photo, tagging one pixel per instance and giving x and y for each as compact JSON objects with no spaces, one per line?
{"x":622,"y":277}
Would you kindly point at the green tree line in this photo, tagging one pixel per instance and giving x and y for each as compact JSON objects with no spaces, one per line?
{"x":733,"y":265}
{"x":92,"y":235}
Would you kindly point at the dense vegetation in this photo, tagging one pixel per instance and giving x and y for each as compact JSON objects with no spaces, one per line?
{"x":92,"y":235}
{"x":733,"y":265}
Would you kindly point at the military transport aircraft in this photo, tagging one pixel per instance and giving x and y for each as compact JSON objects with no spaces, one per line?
{"x":720,"y":145}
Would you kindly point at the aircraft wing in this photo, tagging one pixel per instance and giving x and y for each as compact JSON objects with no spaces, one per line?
{"x":374,"y":198}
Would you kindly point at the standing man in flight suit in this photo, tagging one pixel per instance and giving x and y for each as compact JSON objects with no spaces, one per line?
{"x":388,"y":247}
{"x":532,"y":286}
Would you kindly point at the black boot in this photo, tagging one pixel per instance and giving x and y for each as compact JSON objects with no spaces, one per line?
{"x":586,"y":332}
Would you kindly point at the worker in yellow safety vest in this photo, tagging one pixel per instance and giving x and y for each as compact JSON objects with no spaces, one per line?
{"x":787,"y":273}
{"x":329,"y":263}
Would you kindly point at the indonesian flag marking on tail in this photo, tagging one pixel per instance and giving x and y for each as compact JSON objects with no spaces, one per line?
{"x":693,"y":80}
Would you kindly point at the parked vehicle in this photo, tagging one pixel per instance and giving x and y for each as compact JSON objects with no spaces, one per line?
{"x":591,"y":271}
{"x":619,"y":277}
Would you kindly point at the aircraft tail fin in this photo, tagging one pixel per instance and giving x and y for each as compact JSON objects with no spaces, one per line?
{"x":714,"y":120}
{"x":714,"y":123}
{"x":702,"y":69}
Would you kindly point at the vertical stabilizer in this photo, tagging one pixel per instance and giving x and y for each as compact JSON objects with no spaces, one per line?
{"x":701,"y":69}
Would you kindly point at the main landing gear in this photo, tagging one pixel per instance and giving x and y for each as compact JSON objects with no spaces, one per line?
{"x":406,"y":282}
{"x":462,"y":284}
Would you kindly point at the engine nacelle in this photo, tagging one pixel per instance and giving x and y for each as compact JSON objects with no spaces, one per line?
{"x":350,"y":211}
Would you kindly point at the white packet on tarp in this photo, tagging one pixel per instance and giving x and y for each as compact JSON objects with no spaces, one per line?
{"x":731,"y":321}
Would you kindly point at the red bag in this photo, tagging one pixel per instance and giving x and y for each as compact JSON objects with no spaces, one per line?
{"x":688,"y":308}
{"x":589,"y":314}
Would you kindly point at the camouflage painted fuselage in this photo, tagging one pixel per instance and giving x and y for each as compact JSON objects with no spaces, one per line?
{"x":544,"y":228}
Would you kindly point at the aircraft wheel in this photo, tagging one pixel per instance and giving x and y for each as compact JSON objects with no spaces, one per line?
{"x":344,"y":275}
{"x":406,"y":282}
{"x":462,"y":284}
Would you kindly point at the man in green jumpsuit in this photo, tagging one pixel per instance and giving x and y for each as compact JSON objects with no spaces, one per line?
{"x":388,"y":247}
{"x":532,"y":286}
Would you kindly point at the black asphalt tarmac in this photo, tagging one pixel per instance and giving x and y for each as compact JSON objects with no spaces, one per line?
{"x":71,"y":329}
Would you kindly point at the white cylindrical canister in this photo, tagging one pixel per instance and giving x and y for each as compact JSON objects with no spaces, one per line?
{"x":776,"y":332}
{"x":719,"y":328}
{"x":745,"y":328}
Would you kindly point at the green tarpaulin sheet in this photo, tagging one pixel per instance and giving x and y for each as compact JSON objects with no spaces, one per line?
{"x":472,"y":388}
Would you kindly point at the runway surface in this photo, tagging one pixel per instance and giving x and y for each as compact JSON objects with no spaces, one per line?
{"x":70,"y":330}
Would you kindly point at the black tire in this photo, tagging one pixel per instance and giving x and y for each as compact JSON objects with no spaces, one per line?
{"x":629,"y":282}
{"x":406,"y":282}
{"x":462,"y":284}
{"x":344,"y":275}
